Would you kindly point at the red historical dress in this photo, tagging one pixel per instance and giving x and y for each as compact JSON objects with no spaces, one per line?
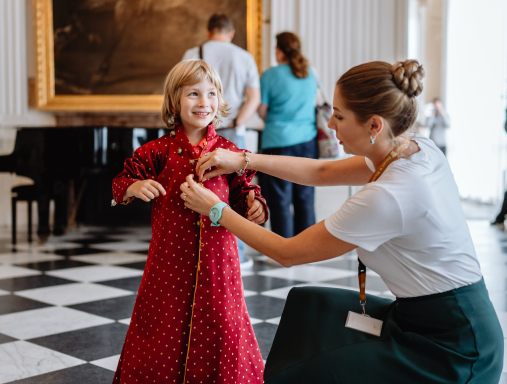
{"x":190,"y":323}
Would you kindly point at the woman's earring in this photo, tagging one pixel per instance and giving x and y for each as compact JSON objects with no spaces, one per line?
{"x":372,"y":140}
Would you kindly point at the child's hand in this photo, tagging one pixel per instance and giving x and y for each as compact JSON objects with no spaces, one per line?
{"x":256,"y":211}
{"x":145,"y":190}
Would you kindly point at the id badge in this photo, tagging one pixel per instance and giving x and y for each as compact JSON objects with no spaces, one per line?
{"x":364,"y":323}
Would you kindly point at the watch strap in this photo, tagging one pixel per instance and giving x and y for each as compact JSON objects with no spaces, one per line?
{"x":219,"y":206}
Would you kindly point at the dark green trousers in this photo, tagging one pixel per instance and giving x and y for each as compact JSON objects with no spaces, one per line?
{"x":451,"y":337}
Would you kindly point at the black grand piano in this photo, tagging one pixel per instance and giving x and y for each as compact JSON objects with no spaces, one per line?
{"x":74,"y":167}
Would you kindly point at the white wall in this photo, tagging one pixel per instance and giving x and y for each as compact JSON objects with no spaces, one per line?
{"x":476,"y":96}
{"x":16,"y":40}
{"x":17,"y":64}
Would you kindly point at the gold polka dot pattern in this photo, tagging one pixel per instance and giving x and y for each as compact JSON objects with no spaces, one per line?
{"x":190,"y":322}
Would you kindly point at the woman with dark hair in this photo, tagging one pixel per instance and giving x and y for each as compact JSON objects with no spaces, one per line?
{"x":407,"y":225}
{"x":288,"y":107}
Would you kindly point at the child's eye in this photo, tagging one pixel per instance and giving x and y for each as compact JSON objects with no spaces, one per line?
{"x":193,"y":94}
{"x":212,"y":94}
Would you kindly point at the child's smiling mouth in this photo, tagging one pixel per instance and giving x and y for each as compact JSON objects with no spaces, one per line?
{"x":202,"y":115}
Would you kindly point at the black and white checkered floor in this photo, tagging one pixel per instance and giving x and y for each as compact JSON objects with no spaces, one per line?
{"x":65,"y":306}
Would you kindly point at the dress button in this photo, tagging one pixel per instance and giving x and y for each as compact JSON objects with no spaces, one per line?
{"x":179,"y":151}
{"x":173,"y":133}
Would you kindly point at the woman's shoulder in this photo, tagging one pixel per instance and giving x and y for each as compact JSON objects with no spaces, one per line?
{"x":277,"y":70}
{"x":418,"y":172}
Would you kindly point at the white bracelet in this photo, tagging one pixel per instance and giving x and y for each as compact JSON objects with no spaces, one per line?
{"x":241,"y":172}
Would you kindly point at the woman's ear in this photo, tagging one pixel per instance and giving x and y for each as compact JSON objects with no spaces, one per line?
{"x":376,"y":125}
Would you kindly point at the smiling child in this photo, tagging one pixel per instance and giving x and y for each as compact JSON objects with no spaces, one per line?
{"x":190,"y":323}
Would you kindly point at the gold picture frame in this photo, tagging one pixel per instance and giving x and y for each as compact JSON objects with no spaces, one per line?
{"x":47,"y":99}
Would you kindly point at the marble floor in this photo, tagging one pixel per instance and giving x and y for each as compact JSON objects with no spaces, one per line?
{"x":65,"y":306}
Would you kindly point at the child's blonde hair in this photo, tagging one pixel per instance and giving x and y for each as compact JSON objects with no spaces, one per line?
{"x":189,"y":72}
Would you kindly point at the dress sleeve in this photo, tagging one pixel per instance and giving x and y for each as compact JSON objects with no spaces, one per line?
{"x":142,"y":166}
{"x":367,"y":219}
{"x":239,"y":187}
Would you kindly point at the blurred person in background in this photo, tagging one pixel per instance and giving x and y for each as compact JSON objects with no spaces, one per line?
{"x":288,"y":108}
{"x":438,"y":124}
{"x":499,"y":221}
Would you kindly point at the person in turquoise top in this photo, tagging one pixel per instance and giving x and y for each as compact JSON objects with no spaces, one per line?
{"x":288,"y":108}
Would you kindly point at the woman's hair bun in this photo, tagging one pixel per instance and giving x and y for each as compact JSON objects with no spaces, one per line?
{"x":408,"y":75}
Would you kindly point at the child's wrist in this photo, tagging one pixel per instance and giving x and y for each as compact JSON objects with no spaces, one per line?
{"x":129,"y":192}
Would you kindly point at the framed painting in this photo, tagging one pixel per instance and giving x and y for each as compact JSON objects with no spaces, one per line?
{"x":113,"y":55}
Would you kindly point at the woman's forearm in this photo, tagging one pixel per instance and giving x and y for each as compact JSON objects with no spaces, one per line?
{"x":312,"y":245}
{"x":304,"y":171}
{"x":300,"y":170}
{"x":257,"y":237}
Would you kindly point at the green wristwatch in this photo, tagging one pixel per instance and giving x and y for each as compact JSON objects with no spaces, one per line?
{"x":215,"y":213}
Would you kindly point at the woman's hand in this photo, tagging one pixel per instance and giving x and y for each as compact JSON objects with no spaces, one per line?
{"x":256,"y":213}
{"x":196,"y":197}
{"x":145,"y":190}
{"x":223,"y":160}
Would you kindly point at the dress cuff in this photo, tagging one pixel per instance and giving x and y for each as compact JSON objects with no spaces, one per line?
{"x":119,"y":189}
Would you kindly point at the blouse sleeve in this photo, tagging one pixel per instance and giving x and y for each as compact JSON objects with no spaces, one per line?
{"x":368,"y":219}
{"x":142,"y":166}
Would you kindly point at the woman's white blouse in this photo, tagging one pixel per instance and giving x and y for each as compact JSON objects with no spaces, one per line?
{"x":410,"y":227}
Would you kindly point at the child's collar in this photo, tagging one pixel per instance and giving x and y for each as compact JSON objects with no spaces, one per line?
{"x":185,"y":148}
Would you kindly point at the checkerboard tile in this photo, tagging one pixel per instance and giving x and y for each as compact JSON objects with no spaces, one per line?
{"x":95,"y":273}
{"x":47,"y":321}
{"x":87,"y":344}
{"x":26,"y":257}
{"x":48,"y":247}
{"x":11,"y":271}
{"x":109,"y":363}
{"x":69,"y":301}
{"x":70,"y":294}
{"x":36,"y":360}
{"x":110,"y":258}
{"x":308,"y":273}
{"x":123,"y":246}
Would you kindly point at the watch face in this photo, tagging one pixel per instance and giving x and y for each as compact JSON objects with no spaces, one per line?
{"x":213,"y":214}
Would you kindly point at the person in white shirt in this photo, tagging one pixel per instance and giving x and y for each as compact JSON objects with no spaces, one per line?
{"x":406,"y":224}
{"x":238,"y":72}
{"x":439,"y":123}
